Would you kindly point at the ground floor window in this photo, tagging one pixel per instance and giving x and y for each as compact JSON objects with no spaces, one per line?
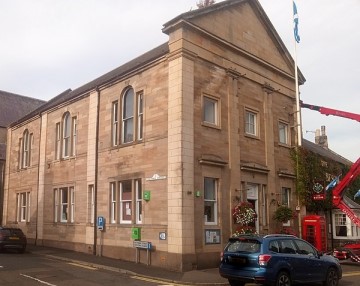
{"x":64,"y":205}
{"x":23,"y":207}
{"x":343,"y":227}
{"x":125,"y":200}
{"x":210,"y":200}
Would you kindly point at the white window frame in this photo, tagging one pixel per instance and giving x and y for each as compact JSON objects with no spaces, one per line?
{"x":115,"y":123}
{"x":127,"y":133}
{"x":286,"y":200}
{"x":210,"y":110}
{"x":66,"y":138}
{"x":251,"y":122}
{"x":283,"y":133}
{"x":91,"y":203}
{"x":74,"y":134}
{"x":25,"y":147}
{"x":113,"y":203}
{"x":140,"y":115}
{"x":139,"y":205}
{"x":211,"y":201}
{"x":58,"y":141}
{"x":125,"y":204}
{"x":23,"y":207}
{"x":64,"y":204}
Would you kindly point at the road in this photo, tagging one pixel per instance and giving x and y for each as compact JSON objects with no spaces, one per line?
{"x":32,"y":270}
{"x":36,"y":270}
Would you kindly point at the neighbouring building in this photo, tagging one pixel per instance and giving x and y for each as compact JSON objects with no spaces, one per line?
{"x":164,"y":146}
{"x":12,"y":107}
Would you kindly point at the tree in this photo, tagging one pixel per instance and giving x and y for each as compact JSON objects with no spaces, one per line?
{"x":205,"y":3}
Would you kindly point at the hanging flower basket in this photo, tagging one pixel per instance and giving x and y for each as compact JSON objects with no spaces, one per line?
{"x":244,"y":230}
{"x":244,"y":213}
{"x":284,"y":214}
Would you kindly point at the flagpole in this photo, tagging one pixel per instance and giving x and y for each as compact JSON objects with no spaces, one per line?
{"x":298,"y":113}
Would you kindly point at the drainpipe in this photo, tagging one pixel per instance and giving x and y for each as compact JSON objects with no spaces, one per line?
{"x":96,"y":168}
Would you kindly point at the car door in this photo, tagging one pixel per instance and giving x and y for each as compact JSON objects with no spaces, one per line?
{"x":311,"y":265}
{"x":287,"y":250}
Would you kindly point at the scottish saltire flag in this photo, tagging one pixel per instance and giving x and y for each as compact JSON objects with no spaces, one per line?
{"x":332,"y":184}
{"x":296,"y":23}
{"x":357,"y":194}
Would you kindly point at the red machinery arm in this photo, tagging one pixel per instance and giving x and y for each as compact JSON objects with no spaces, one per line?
{"x":354,"y":170}
{"x":329,"y":111}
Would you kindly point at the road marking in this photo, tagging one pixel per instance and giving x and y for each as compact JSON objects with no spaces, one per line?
{"x":354,"y":273}
{"x":38,"y":280}
{"x":154,"y":280}
{"x":83,"y":266}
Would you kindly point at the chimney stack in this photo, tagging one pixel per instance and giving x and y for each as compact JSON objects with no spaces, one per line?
{"x":321,"y":138}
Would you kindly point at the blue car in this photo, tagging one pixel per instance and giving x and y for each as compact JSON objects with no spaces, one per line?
{"x":277,"y":259}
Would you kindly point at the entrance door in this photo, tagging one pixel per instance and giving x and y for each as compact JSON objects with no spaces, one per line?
{"x":253,"y":198}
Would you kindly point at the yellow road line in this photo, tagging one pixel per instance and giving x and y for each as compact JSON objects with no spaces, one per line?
{"x":148,"y":279}
{"x":354,"y":273}
{"x":83,"y":266}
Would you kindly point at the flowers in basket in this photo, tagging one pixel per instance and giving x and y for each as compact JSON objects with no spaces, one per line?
{"x":244,"y":213}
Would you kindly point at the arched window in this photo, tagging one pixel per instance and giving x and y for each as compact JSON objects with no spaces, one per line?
{"x":128,"y":116}
{"x":25,"y":149}
{"x":66,"y":135}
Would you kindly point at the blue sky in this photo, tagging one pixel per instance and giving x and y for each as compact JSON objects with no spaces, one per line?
{"x":48,"y":46}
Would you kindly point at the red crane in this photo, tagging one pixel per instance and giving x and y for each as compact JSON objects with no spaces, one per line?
{"x":354,"y":171}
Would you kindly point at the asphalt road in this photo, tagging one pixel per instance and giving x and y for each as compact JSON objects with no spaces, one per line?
{"x":31,"y":270}
{"x":34,"y":270}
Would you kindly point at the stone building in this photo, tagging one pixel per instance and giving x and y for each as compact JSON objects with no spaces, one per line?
{"x":163,"y":146}
{"x":12,"y":107}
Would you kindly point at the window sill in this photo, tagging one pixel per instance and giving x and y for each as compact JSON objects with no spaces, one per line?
{"x":210,"y":125}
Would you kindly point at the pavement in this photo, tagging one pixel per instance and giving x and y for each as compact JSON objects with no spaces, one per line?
{"x":205,"y":277}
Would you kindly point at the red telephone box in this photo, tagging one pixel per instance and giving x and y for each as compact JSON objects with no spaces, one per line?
{"x":314,"y":231}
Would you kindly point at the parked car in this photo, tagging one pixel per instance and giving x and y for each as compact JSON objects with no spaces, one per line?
{"x":12,"y":238}
{"x":276,"y":259}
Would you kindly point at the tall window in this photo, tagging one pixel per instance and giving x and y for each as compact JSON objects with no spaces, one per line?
{"x":58,"y":141}
{"x":285,"y":196}
{"x":91,"y":203}
{"x":126,"y":202}
{"x":210,"y":200}
{"x":128,"y":116}
{"x":23,"y":207}
{"x":251,"y":123}
{"x":283,"y":133}
{"x":65,"y":137}
{"x":340,"y":224}
{"x":25,"y":147}
{"x":115,"y":123}
{"x":140,"y":113}
{"x":210,"y":110}
{"x":138,"y":191}
{"x":113,"y":204}
{"x":285,"y":200}
{"x":64,"y":205}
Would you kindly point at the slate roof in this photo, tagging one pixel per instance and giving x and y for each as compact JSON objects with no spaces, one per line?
{"x":14,"y":106}
{"x":113,"y":75}
{"x":325,"y":152}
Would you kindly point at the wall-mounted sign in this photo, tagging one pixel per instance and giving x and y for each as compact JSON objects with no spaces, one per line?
{"x":212,"y":236}
{"x":147,"y":195}
{"x":318,"y":191}
{"x":162,"y":235}
{"x":156,"y":177}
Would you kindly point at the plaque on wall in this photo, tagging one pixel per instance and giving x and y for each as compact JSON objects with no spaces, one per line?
{"x":212,"y":236}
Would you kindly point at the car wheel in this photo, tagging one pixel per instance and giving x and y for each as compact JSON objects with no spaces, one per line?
{"x":236,"y":283}
{"x":283,"y":279}
{"x":332,"y":278}
{"x":22,"y":250}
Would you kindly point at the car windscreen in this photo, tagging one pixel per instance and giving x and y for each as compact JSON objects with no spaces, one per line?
{"x":243,"y":245}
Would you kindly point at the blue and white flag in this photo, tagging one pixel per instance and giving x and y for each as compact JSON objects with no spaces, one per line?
{"x":332,"y":184}
{"x":296,"y":23}
{"x":357,"y":194}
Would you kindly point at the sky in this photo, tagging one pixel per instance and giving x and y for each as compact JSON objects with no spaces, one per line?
{"x":48,"y":46}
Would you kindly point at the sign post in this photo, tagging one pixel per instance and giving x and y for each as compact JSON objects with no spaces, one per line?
{"x":101,"y":226}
